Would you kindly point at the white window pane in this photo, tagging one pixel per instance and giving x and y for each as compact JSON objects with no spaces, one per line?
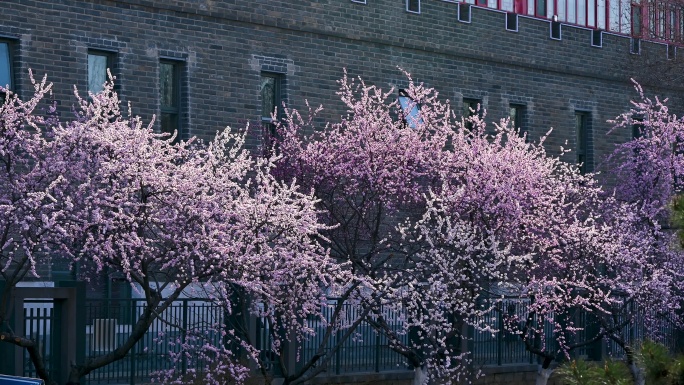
{"x":614,"y":15}
{"x":601,"y":14}
{"x":581,"y":12}
{"x":625,"y":16}
{"x":572,"y":4}
{"x":97,"y":72}
{"x":5,"y":74}
{"x":561,"y":10}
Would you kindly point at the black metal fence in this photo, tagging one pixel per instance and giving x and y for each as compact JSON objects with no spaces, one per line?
{"x":109,"y":323}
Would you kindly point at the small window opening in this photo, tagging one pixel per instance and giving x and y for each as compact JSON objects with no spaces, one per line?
{"x":597,"y":38}
{"x":555,"y":30}
{"x":464,"y":12}
{"x":413,"y":6}
{"x":512,"y":22}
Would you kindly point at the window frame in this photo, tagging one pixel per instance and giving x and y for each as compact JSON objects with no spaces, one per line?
{"x":415,"y":110}
{"x":267,"y":122}
{"x":11,"y":70}
{"x":582,"y":139}
{"x":176,"y":95}
{"x":520,"y":117}
{"x":110,"y":63}
{"x":467,"y":104}
{"x":277,"y":95}
{"x":408,"y":6}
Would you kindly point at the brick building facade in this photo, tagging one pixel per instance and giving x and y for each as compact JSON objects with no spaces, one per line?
{"x":214,"y":62}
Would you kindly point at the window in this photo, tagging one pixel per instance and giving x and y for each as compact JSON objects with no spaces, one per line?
{"x":540,"y":8}
{"x":555,"y":30}
{"x":584,"y":159}
{"x":512,"y":22}
{"x":635,"y":46}
{"x":170,"y":97}
{"x":413,"y":6}
{"x":597,"y":38}
{"x":411,"y":110}
{"x":6,"y":70}
{"x":270,"y":91}
{"x":98,"y":63}
{"x":517,"y":116}
{"x":637,"y":126}
{"x":464,"y":12}
{"x":470,"y":108}
{"x":636,"y":20}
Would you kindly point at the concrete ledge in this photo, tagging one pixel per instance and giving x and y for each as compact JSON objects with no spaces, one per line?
{"x":386,"y":378}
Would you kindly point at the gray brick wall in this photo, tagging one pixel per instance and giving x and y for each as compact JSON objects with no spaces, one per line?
{"x":226,"y":44}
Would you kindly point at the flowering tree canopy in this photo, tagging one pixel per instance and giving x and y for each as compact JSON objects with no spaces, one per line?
{"x":432,"y":212}
{"x":440,"y":218}
{"x":400,"y":215}
{"x":105,"y":190}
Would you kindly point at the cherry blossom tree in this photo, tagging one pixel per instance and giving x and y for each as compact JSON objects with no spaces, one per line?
{"x":648,"y":179}
{"x":371,"y":171}
{"x":106,"y":191}
{"x":440,"y":218}
{"x":433,"y":211}
{"x":611,"y":259}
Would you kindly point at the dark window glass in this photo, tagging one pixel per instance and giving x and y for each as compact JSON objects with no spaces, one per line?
{"x":517,"y":116}
{"x":98,"y":63}
{"x":637,"y":126}
{"x":411,"y":110}
{"x":168,"y":85}
{"x":413,"y":5}
{"x":470,"y":108}
{"x":270,"y":92}
{"x":582,"y":122}
{"x":169,"y":97}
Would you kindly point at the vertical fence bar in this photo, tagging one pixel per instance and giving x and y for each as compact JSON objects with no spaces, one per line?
{"x":377,"y":352}
{"x":184,"y":323}
{"x":337,"y":354}
{"x":499,"y":339}
{"x":132,"y":352}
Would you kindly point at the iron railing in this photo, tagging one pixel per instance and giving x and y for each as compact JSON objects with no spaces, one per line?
{"x":109,"y":323}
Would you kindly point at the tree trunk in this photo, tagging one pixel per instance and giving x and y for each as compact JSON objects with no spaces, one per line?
{"x":420,"y":376}
{"x":544,"y":372}
{"x":637,"y":374}
{"x":634,"y":369}
{"x":543,"y":375}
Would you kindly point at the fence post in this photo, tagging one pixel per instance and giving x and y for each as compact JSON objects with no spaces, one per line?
{"x":377,"y":351}
{"x":499,"y":338}
{"x":337,"y":354}
{"x":184,"y":335}
{"x":132,"y":352}
{"x":7,"y":350}
{"x":73,"y":325}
